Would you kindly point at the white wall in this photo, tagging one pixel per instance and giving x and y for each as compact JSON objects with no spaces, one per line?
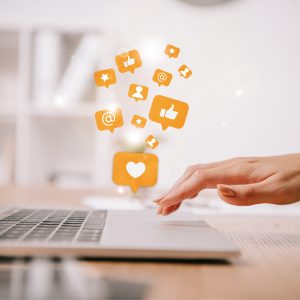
{"x":244,"y":94}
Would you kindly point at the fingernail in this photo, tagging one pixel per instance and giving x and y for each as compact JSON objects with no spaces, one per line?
{"x":227,"y":191}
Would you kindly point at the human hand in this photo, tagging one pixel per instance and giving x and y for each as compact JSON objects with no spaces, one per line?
{"x":240,"y":181}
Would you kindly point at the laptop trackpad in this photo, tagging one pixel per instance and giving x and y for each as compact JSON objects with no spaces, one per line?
{"x":146,"y":230}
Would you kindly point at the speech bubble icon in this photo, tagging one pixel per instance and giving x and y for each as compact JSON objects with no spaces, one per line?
{"x":128,"y":61}
{"x":185,"y":71}
{"x":162,"y":77}
{"x":138,"y":121}
{"x":108,"y":119}
{"x":135,"y":169}
{"x":151,"y":142}
{"x":105,"y":77}
{"x":138,"y":92}
{"x":168,"y":112}
{"x":172,"y":51}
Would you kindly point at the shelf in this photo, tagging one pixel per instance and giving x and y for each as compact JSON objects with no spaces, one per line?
{"x":49,"y":143}
{"x":76,"y":111}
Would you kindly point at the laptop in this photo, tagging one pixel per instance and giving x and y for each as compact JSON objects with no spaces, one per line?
{"x":110,"y":234}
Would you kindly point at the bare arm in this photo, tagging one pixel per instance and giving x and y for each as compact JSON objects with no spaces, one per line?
{"x":240,"y":181}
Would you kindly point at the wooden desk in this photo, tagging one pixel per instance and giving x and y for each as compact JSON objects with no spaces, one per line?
{"x":268,"y":269}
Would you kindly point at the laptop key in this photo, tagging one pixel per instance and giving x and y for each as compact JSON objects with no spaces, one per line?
{"x":48,"y":226}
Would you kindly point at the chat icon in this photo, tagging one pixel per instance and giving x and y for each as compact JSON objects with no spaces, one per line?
{"x":168,"y":112}
{"x":172,"y":51}
{"x":107,"y":119}
{"x":162,"y":77}
{"x":105,"y":77}
{"x":138,"y":121}
{"x":185,"y":71}
{"x":151,"y":142}
{"x":138,"y":92}
{"x":135,"y":169}
{"x":128,"y":61}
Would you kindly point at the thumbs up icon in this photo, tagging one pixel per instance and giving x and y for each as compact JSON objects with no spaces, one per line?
{"x":169,"y":114}
{"x":129,"y":62}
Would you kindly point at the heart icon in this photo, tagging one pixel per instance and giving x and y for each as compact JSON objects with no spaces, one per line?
{"x":135,"y":170}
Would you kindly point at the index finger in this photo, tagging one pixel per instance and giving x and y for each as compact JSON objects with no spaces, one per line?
{"x":190,"y":170}
{"x":209,"y":178}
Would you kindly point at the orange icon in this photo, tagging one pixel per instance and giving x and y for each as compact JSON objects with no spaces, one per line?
{"x":185,"y":71}
{"x":152,"y":142}
{"x":138,"y":121}
{"x":172,"y":51}
{"x":138,"y":92}
{"x":107,"y":119}
{"x":128,"y":61}
{"x":162,"y":77}
{"x":135,"y":169}
{"x":168,"y":112}
{"x":105,"y":77}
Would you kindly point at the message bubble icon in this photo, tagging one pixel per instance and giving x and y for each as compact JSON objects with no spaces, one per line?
{"x":162,"y":77}
{"x":168,"y":112}
{"x":185,"y":71}
{"x":172,"y":51}
{"x":151,"y":142}
{"x":135,"y":169}
{"x":105,"y":77}
{"x":138,"y":92}
{"x":128,"y":61}
{"x":138,"y":121}
{"x":108,"y":119}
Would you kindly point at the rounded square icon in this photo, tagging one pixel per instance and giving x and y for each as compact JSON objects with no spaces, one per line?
{"x":135,"y":169}
{"x":138,"y":92}
{"x":162,"y":77}
{"x":128,"y":61}
{"x":172,"y":51}
{"x":138,"y":121}
{"x":168,"y":112}
{"x":152,"y":142}
{"x":107,"y":119}
{"x":185,"y":71}
{"x":105,"y":77}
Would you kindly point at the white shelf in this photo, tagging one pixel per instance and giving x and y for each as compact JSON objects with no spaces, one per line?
{"x":48,"y":141}
{"x":76,"y":111}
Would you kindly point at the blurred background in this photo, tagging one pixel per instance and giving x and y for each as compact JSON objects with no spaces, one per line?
{"x":244,"y":94}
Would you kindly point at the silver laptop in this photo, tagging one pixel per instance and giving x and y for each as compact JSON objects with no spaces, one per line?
{"x":110,"y":234}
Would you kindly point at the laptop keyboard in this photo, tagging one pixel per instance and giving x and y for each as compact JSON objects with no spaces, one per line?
{"x":28,"y":225}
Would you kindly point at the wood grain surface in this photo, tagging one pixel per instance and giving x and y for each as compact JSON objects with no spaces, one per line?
{"x":269,"y":267}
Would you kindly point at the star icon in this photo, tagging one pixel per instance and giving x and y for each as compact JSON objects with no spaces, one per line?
{"x":172,"y":51}
{"x":104,"y":77}
{"x":138,"y":121}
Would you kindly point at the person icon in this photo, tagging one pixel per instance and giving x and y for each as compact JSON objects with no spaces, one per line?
{"x":138,"y":92}
{"x":185,"y":72}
